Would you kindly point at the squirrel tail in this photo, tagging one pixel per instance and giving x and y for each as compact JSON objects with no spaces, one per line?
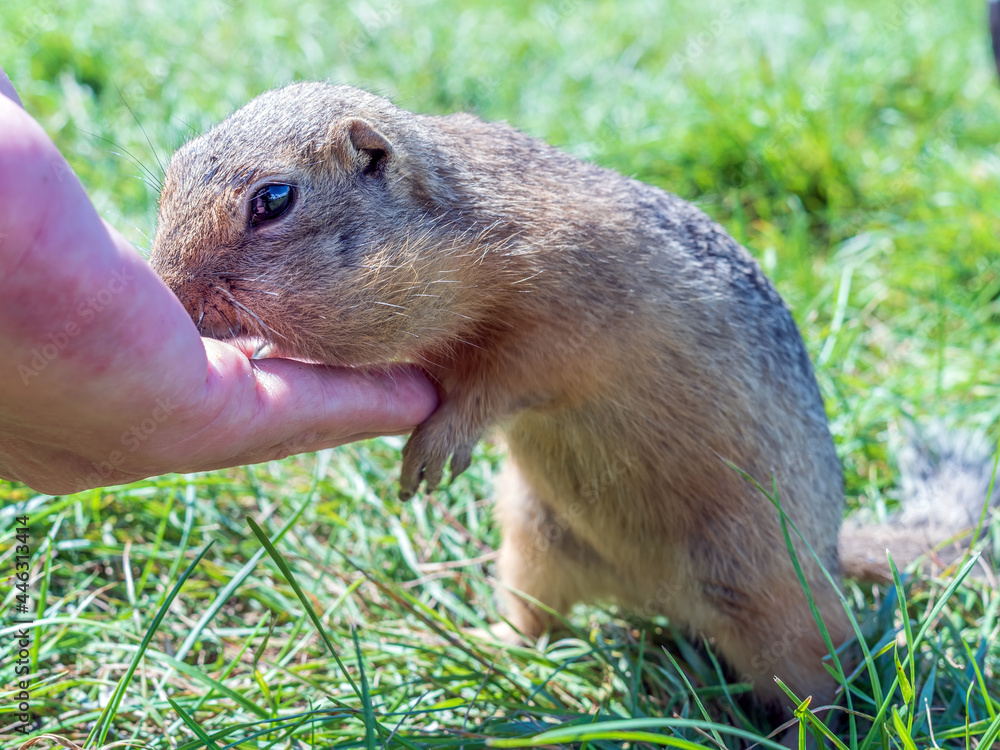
{"x":945,"y":478}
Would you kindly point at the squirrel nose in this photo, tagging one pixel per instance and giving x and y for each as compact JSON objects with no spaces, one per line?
{"x":189,"y":288}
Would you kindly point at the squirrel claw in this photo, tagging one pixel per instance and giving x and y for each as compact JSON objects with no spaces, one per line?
{"x":425,"y":456}
{"x":461,"y":459}
{"x":411,"y":475}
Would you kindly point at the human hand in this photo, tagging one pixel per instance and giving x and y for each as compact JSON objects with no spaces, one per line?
{"x":103,"y":376}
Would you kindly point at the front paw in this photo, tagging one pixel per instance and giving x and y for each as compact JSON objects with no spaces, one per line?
{"x":427,"y":451}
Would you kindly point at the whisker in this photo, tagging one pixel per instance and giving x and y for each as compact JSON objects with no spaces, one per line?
{"x":254,"y":280}
{"x":127,"y":153}
{"x":263,"y":327}
{"x":145,"y":180}
{"x":142,"y":129}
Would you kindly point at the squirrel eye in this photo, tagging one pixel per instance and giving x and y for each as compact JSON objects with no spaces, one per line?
{"x":270,"y":202}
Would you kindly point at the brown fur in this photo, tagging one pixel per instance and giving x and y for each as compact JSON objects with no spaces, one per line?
{"x":627,"y":346}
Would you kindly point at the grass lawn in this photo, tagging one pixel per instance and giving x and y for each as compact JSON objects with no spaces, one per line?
{"x":851,"y":146}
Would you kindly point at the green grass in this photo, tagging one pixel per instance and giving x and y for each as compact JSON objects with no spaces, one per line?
{"x":850,"y":145}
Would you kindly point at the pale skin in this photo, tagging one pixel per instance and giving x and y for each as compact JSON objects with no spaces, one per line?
{"x":103,"y":376}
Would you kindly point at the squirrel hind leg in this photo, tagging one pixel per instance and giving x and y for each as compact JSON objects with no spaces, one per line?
{"x":541,"y":557}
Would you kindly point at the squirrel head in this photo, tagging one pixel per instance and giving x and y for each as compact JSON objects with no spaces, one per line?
{"x":316,"y":217}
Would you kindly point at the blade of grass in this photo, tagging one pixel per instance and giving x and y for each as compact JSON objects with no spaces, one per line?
{"x":368,"y":712}
{"x":631,"y":730}
{"x":193,"y":725}
{"x":287,"y":573}
{"x":100,"y":731}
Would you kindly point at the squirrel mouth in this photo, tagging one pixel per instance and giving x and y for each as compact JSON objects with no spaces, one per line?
{"x":223,"y":322}
{"x":218,"y":314}
{"x":222,"y":317}
{"x":227,"y":313}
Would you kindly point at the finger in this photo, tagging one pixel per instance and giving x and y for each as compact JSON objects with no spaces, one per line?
{"x":341,"y":401}
{"x":272,"y":408}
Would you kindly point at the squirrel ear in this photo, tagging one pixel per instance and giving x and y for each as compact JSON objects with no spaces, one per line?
{"x":370,"y":150}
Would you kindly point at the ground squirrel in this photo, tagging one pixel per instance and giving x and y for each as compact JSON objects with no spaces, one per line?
{"x":631,"y":351}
